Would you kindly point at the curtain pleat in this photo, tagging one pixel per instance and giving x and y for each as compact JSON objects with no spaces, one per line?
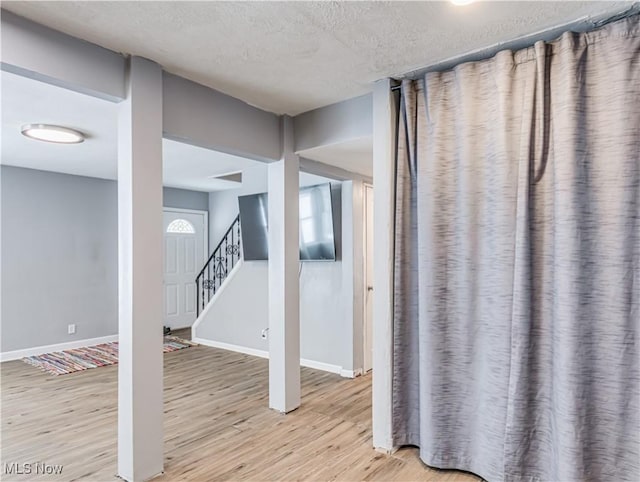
{"x":406,"y":368}
{"x":517,"y":269}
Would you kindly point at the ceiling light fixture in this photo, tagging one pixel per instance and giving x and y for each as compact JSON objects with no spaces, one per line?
{"x":51,"y":133}
{"x":461,"y":3}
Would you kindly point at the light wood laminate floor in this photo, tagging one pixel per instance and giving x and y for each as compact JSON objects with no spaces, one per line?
{"x":217,"y":425}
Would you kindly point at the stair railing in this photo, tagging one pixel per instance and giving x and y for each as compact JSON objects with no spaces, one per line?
{"x":218,"y":266}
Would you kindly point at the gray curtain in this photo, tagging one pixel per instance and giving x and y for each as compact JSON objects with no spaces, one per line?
{"x":517,"y":270}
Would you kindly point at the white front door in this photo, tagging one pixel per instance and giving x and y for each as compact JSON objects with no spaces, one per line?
{"x":185,"y":238}
{"x":368,"y":277}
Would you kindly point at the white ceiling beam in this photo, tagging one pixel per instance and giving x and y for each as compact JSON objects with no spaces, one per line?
{"x":332,"y":172}
{"x":334,"y":124}
{"x":204,"y":117}
{"x":40,"y":53}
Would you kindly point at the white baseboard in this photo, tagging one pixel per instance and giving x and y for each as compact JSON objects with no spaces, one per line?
{"x":351,"y":373}
{"x":385,"y":450}
{"x":230,"y":347}
{"x":325,"y":367}
{"x":39,"y":350}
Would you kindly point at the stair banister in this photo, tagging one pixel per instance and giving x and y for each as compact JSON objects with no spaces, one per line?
{"x":222,"y":260}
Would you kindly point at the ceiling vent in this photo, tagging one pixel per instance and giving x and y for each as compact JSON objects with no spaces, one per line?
{"x":230,"y":177}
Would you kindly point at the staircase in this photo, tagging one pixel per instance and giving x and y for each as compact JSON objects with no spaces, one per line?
{"x":218,"y":266}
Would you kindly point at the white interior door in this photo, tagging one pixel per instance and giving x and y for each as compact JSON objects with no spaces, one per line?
{"x":185,"y":241}
{"x":368,"y":276}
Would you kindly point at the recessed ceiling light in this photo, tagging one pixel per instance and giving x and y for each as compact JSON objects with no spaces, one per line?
{"x":51,"y":133}
{"x":460,"y":3}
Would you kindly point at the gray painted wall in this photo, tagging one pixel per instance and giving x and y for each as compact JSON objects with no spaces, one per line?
{"x":240,"y":311}
{"x":59,"y":258}
{"x":223,"y":205}
{"x":329,"y":316}
{"x":185,"y":199}
{"x":59,"y":254}
{"x":59,"y":266}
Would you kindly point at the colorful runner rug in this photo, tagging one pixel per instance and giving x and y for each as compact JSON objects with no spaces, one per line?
{"x":70,"y":361}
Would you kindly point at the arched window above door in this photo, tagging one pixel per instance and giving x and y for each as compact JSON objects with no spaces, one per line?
{"x":180,"y":226}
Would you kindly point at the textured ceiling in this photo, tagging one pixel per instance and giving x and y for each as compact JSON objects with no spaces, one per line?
{"x":290,"y":57}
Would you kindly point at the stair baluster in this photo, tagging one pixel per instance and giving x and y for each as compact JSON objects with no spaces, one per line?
{"x":218,"y":266}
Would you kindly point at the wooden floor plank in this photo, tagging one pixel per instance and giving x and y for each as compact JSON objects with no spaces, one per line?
{"x":217,"y":424}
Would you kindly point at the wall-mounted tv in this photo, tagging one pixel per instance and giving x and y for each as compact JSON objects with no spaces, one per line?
{"x":254,"y":216}
{"x":317,"y":238}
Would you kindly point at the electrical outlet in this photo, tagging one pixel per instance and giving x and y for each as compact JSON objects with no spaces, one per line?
{"x":263,"y":335}
{"x":71,"y":329}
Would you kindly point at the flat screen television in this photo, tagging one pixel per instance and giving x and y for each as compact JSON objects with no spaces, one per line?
{"x":254,"y":216}
{"x":317,"y":239}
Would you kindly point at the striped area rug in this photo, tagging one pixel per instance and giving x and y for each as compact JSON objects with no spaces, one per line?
{"x":70,"y":361}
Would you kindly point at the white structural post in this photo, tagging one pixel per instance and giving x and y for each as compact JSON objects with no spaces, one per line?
{"x":284,"y":290}
{"x":140,"y":407}
{"x":384,"y":110}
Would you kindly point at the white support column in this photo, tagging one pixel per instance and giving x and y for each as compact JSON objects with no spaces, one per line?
{"x":140,"y":407}
{"x":284,"y":290}
{"x":384,"y":110}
